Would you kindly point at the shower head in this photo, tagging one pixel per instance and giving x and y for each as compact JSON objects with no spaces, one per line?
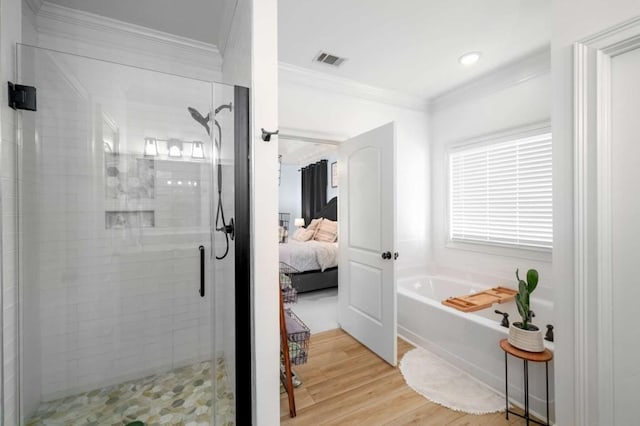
{"x":228,"y":106}
{"x":204,"y":121}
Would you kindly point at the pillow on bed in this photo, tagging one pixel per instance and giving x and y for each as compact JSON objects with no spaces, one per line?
{"x":327,"y":231}
{"x":303,"y":234}
{"x":314,"y":224}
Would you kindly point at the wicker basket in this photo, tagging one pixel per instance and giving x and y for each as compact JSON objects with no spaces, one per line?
{"x":289,"y":294}
{"x":298,"y":335}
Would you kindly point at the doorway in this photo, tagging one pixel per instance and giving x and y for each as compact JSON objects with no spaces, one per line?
{"x":306,"y":184}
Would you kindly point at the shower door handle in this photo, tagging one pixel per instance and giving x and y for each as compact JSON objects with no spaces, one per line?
{"x":201,"y":248}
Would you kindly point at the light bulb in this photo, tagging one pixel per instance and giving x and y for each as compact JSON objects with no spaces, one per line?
{"x":150,"y":147}
{"x":198,"y":150}
{"x":470,"y":58}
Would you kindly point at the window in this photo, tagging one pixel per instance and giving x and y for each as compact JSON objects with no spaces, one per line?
{"x":500,"y":193}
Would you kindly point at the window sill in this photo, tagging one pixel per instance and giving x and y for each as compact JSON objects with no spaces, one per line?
{"x":541,"y":255}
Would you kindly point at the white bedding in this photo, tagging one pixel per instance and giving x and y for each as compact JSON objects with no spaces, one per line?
{"x":309,"y":255}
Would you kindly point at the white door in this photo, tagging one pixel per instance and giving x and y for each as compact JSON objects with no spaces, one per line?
{"x":366,"y":194}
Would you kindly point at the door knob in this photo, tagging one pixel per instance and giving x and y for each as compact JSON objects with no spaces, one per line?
{"x":386,"y":255}
{"x":395,"y":255}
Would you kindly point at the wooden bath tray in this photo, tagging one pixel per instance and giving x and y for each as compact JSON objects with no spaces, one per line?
{"x":482,"y":300}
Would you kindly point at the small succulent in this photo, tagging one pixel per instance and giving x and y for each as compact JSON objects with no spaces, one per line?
{"x":525,"y":288}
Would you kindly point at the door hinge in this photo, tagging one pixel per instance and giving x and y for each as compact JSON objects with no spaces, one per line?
{"x":22,"y":97}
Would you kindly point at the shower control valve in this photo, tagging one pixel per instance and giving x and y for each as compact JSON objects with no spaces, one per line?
{"x":229,"y":229}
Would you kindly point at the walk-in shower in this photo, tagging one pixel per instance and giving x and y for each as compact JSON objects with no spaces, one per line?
{"x":120,"y":198}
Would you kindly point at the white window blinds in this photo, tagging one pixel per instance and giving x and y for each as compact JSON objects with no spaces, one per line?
{"x":500,"y":193}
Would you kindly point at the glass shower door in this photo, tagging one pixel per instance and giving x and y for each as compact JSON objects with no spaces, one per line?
{"x":120,"y":317}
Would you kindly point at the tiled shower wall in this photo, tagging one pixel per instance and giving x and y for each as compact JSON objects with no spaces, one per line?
{"x":10,"y":22}
{"x":111,"y":304}
{"x":225,"y":269}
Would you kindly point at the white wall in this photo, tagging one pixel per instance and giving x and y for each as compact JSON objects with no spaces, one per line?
{"x":224,"y":280}
{"x":11,"y":33}
{"x":320,"y":110}
{"x":572,"y":21}
{"x":483,"y":112}
{"x":264,"y":213}
{"x":236,"y":67}
{"x":31,"y":383}
{"x":625,"y":239}
{"x":331,"y":192}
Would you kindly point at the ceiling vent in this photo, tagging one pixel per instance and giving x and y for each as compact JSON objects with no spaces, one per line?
{"x":329,"y":59}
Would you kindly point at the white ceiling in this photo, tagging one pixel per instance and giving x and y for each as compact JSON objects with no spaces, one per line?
{"x":411,"y":46}
{"x":203,"y":20}
{"x":301,"y":153}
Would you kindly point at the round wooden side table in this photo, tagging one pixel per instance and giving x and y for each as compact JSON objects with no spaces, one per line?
{"x":545,"y":357}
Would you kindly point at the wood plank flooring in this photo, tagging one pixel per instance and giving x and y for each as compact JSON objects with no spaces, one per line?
{"x":346,"y":384}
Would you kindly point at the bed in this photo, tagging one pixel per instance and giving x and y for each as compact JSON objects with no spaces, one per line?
{"x":317,"y":261}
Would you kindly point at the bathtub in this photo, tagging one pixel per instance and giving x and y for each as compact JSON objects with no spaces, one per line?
{"x":470,"y":341}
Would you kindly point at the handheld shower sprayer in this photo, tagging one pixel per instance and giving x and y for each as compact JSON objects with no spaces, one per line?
{"x":220,"y":223}
{"x":204,"y":121}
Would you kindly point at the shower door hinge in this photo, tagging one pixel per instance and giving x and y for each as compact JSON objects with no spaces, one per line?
{"x":22,"y":97}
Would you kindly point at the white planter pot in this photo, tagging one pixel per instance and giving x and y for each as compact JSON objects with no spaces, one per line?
{"x":527,"y":340}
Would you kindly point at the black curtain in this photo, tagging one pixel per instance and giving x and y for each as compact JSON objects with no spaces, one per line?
{"x":314,"y":189}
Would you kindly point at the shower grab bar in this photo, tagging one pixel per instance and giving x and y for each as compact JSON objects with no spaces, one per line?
{"x":201,"y":248}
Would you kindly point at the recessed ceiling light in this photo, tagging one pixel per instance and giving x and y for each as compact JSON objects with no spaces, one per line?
{"x":469,"y":58}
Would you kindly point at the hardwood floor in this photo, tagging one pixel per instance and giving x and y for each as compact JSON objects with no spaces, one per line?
{"x":346,"y":384}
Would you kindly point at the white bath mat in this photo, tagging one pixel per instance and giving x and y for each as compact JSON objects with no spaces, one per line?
{"x":446,"y":385}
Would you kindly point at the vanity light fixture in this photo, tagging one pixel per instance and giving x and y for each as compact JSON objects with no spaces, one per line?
{"x":198,"y":150}
{"x":175,"y":147}
{"x":150,"y":147}
{"x":469,"y":58}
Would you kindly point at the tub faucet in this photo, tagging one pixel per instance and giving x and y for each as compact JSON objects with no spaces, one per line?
{"x":505,"y":318}
{"x":531,"y":315}
{"x":549,"y":335}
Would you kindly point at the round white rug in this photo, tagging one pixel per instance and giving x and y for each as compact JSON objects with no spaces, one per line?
{"x":444,"y":384}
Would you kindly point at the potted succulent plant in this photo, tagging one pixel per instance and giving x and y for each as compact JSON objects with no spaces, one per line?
{"x":524,"y":335}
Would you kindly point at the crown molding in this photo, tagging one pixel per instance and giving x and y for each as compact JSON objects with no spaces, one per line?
{"x":67,"y":23}
{"x":530,"y":66}
{"x":34,"y":5}
{"x":311,"y":136}
{"x":293,"y":74}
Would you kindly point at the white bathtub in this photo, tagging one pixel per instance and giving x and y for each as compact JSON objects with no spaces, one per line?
{"x":470,"y":341}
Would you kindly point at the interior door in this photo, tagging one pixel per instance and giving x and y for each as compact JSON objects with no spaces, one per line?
{"x":366,"y":216}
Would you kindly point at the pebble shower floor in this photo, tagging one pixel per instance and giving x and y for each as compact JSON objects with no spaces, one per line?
{"x":179,"y":397}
